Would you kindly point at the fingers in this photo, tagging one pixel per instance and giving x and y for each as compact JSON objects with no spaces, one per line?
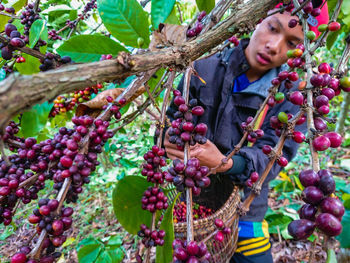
{"x":175,"y":153}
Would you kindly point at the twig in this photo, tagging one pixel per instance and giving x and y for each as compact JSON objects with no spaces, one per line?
{"x":3,"y":154}
{"x":7,"y":14}
{"x":26,"y":50}
{"x":180,"y":12}
{"x":152,"y":99}
{"x":189,"y":216}
{"x":36,"y":6}
{"x":300,"y":7}
{"x":168,"y":85}
{"x":322,"y":40}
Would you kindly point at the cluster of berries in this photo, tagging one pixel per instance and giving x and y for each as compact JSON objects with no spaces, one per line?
{"x":234,"y":40}
{"x":190,"y":252}
{"x":254,"y":176}
{"x":190,"y":175}
{"x":151,"y":238}
{"x":10,"y":10}
{"x":154,"y":199}
{"x":115,"y":108}
{"x":253,"y":135}
{"x":322,"y":209}
{"x":46,"y":218}
{"x":223,"y":230}
{"x":64,"y":103}
{"x":84,"y":15}
{"x":198,"y":212}
{"x":182,"y":129}
{"x":16,"y":40}
{"x":54,"y":35}
{"x":154,"y":160}
{"x":28,"y":17}
{"x":198,"y":26}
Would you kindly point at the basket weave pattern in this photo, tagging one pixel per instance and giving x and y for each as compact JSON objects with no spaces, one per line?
{"x":220,"y":251}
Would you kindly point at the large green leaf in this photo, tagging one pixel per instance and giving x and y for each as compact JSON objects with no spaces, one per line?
{"x":34,"y":120}
{"x":29,"y":67}
{"x":344,"y":237}
{"x":88,"y":48}
{"x":89,"y":253}
{"x":332,"y":37}
{"x":38,"y":30}
{"x":126,"y":20}
{"x":160,"y":10}
{"x":172,"y":18}
{"x":206,"y":5}
{"x":59,"y":14}
{"x":331,"y":257}
{"x":127,"y":203}
{"x":104,"y":257}
{"x":164,"y":253}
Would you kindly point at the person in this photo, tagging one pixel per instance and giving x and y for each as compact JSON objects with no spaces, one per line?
{"x":237,"y":82}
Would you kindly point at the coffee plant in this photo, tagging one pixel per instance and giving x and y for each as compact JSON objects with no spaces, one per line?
{"x":84,"y":67}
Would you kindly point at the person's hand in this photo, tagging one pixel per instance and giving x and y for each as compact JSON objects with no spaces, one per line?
{"x":208,"y":154}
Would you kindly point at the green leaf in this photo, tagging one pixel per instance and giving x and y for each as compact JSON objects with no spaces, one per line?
{"x":164,"y":253}
{"x":37,"y":30}
{"x":59,"y":14}
{"x":206,"y":5}
{"x":117,"y":255}
{"x":29,"y":67}
{"x":277,"y":220}
{"x":89,"y":253}
{"x":126,"y":20}
{"x":160,"y":10}
{"x":127,"y":201}
{"x":332,"y":37}
{"x":104,"y":257}
{"x":345,"y":7}
{"x":35,"y":119}
{"x":88,"y":48}
{"x":331,"y":257}
{"x":344,"y":237}
{"x":172,"y":18}
{"x":115,"y":241}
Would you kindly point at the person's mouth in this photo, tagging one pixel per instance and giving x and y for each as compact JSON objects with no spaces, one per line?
{"x":263,"y":58}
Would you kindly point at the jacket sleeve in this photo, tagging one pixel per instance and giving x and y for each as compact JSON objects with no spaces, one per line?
{"x":255,"y":159}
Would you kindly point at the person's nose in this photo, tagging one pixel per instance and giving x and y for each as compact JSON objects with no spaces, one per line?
{"x":274,"y":45}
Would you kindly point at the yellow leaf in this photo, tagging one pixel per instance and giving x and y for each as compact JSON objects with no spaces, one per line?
{"x":284,"y":176}
{"x":68,"y":242}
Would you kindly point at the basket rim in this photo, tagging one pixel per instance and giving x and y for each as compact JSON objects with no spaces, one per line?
{"x":221,"y":210}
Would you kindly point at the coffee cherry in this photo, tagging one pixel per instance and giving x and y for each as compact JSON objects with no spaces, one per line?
{"x":282,"y":161}
{"x":219,"y":236}
{"x":296,"y":98}
{"x":321,"y":143}
{"x":324,"y":68}
{"x":332,"y":206}
{"x":322,"y":27}
{"x":312,"y":195}
{"x":292,"y":23}
{"x":254,"y":177}
{"x":311,"y":35}
{"x":334,"y":26}
{"x":334,"y":138}
{"x":301,"y":229}
{"x":309,"y":178}
{"x":219,"y":223}
{"x":298,"y":136}
{"x":282,"y":117}
{"x":266,"y":149}
{"x":293,"y":76}
{"x":329,"y":224}
{"x":308,"y":211}
{"x":19,"y":258}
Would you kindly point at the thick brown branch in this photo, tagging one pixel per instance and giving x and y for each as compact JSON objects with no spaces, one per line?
{"x":18,"y":92}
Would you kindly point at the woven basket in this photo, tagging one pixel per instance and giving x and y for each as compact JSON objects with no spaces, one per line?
{"x":220,"y":251}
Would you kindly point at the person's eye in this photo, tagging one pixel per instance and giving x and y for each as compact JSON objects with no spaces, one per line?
{"x":291,"y":44}
{"x":272,"y":28}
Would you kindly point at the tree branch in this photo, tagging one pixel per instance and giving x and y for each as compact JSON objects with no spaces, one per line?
{"x":19,"y":92}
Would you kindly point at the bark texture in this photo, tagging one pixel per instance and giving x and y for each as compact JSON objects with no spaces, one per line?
{"x":20,"y":92}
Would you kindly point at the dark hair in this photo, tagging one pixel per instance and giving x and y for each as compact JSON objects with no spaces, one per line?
{"x":317,"y":3}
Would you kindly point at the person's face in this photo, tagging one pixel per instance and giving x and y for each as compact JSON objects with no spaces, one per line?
{"x":270,"y":42}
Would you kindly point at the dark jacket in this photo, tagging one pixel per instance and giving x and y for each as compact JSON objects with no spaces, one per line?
{"x":224,"y":112}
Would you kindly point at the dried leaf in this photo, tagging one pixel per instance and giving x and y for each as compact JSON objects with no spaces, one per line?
{"x":168,"y":35}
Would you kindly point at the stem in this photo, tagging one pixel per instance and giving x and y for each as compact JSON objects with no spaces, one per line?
{"x":26,"y":50}
{"x":169,"y":86}
{"x":189,"y":216}
{"x":300,"y":7}
{"x":277,"y":152}
{"x":7,"y":14}
{"x":249,"y":128}
{"x":309,"y":93}
{"x":3,"y":154}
